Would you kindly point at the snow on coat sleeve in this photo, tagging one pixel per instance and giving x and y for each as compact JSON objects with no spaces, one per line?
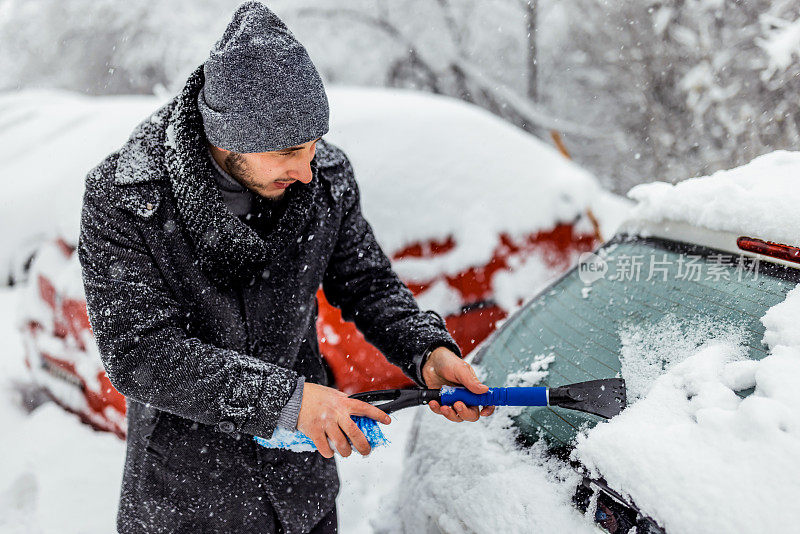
{"x":360,"y":281}
{"x":147,"y":353}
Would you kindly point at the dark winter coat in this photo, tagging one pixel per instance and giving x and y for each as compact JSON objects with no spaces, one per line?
{"x":205,"y":323}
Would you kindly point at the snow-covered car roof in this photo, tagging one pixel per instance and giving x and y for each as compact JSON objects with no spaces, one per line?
{"x":447,"y":168}
{"x":49,"y":140}
{"x":711,"y":439}
{"x":429,"y":167}
{"x":759,"y":199}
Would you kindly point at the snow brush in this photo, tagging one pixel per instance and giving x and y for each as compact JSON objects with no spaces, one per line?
{"x":606,"y":398}
{"x":298,"y":442}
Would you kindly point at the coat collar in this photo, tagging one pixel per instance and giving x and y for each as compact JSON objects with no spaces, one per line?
{"x":227,"y":248}
{"x":140,"y":165}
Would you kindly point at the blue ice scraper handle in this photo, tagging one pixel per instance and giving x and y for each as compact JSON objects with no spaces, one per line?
{"x":532,"y":396}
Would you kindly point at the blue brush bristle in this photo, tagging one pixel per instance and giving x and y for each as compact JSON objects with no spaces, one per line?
{"x":299,"y":442}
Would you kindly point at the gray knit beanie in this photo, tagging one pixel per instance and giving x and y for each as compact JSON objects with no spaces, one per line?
{"x":262,"y":92}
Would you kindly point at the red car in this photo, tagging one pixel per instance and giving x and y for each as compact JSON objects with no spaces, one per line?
{"x":452,"y":266}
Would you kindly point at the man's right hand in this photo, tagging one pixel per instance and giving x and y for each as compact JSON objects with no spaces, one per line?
{"x":325,"y":418}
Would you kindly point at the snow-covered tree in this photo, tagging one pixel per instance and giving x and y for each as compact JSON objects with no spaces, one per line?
{"x":660,"y":89}
{"x":688,"y":86}
{"x":106,"y":46}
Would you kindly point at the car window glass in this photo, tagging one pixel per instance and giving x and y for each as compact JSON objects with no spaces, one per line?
{"x":576,"y":326}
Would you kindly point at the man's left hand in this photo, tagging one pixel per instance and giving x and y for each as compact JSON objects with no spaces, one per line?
{"x":445,"y":368}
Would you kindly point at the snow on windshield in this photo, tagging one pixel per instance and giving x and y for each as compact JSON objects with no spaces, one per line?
{"x":691,"y":453}
{"x":759,"y":199}
{"x":689,"y":450}
{"x":647,"y":351}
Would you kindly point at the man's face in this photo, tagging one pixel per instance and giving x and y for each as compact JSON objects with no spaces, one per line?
{"x":268,"y":174}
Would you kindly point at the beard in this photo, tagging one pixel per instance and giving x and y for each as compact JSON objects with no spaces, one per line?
{"x":237,"y":167}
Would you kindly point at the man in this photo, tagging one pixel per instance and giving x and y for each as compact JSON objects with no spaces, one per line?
{"x":203,"y":242}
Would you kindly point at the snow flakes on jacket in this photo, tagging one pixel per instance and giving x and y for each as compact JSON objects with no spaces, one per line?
{"x":204,"y":323}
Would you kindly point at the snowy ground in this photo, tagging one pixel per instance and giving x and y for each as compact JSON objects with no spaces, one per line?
{"x":56,"y":471}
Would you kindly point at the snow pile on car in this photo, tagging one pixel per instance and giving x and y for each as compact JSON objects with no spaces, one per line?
{"x":698,"y":458}
{"x":473,"y":477}
{"x":759,"y":199}
{"x":49,"y":140}
{"x":648,"y":349}
{"x":689,"y":451}
{"x":434,"y":167}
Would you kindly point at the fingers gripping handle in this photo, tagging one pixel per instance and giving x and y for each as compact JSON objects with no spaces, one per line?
{"x":534,"y":396}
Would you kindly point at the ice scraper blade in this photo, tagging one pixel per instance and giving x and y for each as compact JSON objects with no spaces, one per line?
{"x":606,"y":398}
